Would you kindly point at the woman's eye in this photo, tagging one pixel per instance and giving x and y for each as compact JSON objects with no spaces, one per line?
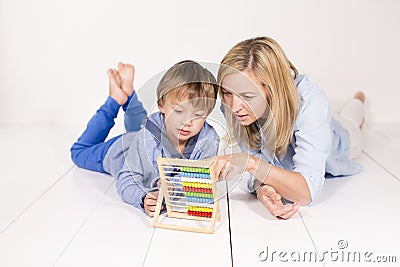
{"x":247,"y":97}
{"x":226,"y":92}
{"x":178,"y":111}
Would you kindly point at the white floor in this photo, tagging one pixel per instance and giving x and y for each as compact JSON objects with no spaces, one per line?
{"x":55,"y":214}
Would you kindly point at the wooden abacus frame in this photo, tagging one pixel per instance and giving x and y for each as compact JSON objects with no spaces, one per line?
{"x":164,"y":194}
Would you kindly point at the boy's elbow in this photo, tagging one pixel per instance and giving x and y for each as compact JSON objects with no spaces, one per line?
{"x":75,"y":157}
{"x":74,"y":154}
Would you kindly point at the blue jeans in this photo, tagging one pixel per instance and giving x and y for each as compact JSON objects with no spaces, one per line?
{"x":90,"y":149}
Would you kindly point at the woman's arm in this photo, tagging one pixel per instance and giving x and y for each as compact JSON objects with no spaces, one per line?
{"x":227,"y":166}
{"x":290,"y":185}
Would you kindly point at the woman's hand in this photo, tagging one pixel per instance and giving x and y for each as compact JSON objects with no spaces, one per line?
{"x":227,"y":166}
{"x":272,"y":201}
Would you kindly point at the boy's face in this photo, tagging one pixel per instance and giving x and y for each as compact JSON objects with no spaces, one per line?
{"x":183,"y":120}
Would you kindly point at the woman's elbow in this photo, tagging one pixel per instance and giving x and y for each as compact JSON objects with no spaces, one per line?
{"x":306,"y":199}
{"x":304,"y":196}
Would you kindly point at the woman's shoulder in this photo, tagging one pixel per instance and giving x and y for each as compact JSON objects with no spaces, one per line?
{"x":307,"y":89}
{"x":314,"y":103}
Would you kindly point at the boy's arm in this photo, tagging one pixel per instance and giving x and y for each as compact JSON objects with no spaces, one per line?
{"x":141,"y":198}
{"x":136,"y":180}
{"x":134,"y":113}
{"x":130,"y":181}
{"x":130,"y":190}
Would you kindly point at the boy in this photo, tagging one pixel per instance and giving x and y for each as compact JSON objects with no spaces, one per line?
{"x":186,"y":95}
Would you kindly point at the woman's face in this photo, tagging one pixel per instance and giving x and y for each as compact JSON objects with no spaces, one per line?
{"x":245,"y":95}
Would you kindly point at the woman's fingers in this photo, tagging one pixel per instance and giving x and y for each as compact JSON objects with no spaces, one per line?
{"x":272,"y":201}
{"x":279,"y":211}
{"x":221,"y":167}
{"x":224,"y":172}
{"x":227,"y":166}
{"x":270,"y":192}
{"x":290,"y":213}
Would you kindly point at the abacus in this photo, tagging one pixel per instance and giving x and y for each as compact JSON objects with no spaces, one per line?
{"x":189,"y":190}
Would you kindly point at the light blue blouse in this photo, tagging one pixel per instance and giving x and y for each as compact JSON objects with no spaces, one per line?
{"x":320,"y":146}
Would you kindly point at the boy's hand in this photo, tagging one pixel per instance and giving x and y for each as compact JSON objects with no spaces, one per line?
{"x":127,"y":74}
{"x":150,"y":202}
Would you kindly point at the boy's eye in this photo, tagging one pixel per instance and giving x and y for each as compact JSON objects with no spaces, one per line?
{"x":178,"y":110}
{"x":199,"y":115}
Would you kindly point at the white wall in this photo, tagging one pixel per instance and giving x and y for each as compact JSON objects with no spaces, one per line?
{"x":54,"y":54}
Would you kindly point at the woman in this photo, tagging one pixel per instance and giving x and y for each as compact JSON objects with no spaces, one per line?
{"x":282,"y":123}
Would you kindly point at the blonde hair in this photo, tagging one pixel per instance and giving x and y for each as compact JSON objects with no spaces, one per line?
{"x":188,"y":79}
{"x":265,"y":59}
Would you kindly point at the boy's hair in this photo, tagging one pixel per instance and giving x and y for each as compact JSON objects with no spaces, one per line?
{"x":188,"y":79}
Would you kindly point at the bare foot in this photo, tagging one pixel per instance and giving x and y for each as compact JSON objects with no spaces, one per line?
{"x":360,"y":96}
{"x":115,"y":90}
{"x":127,"y":74}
